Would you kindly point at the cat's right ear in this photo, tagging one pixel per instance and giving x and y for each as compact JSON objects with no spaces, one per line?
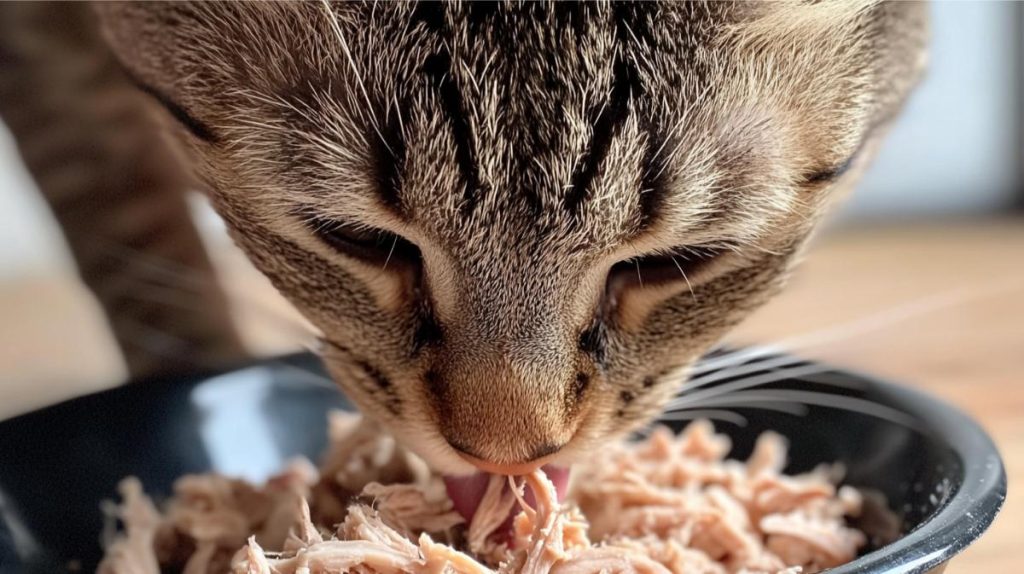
{"x":146,"y":39}
{"x":170,"y":50}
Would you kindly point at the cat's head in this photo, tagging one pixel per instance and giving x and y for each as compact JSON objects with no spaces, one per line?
{"x":518,"y":224}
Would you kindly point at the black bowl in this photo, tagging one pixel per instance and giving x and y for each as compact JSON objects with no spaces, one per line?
{"x":938,"y":469}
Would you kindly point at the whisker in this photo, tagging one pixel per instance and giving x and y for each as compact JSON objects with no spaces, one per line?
{"x":685,"y":278}
{"x":835,"y":379}
{"x":139,"y":289}
{"x":735,"y":357}
{"x":711,"y":414}
{"x":824,"y":377}
{"x":888,"y":317}
{"x":315,"y":346}
{"x":765,"y":379}
{"x":158,"y":342}
{"x":164,"y":295}
{"x":740,"y":370}
{"x":860,"y":326}
{"x":827,"y":400}
{"x":172,"y":271}
{"x":167,"y":274}
{"x":797,"y":410}
{"x":391,"y":251}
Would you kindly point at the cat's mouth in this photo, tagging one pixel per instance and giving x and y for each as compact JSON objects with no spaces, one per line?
{"x":467,"y":491}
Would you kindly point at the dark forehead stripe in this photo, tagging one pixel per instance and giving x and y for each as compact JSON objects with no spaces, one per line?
{"x":679,"y":33}
{"x":388,"y":159}
{"x":630,"y":20}
{"x":521,"y":71}
{"x":511,"y":44}
{"x":608,"y":123}
{"x":635,"y":22}
{"x":438,"y":67}
{"x":539,"y":47}
{"x":653,"y":187}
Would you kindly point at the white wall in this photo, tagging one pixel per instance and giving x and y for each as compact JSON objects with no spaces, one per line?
{"x":955,"y":148}
{"x":30,"y":241}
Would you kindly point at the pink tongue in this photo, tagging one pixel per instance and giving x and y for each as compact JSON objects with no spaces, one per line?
{"x":467,"y":492}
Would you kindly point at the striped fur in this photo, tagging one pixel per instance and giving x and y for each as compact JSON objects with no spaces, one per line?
{"x":518,"y":162}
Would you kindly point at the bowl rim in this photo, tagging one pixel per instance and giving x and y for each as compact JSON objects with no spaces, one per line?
{"x":979,"y":496}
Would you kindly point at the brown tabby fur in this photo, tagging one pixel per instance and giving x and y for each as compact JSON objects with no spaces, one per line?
{"x":524,"y":149}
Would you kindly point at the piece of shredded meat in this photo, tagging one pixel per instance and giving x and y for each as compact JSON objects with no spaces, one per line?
{"x":669,"y":504}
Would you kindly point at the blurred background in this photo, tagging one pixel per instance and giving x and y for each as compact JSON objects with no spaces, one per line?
{"x":919,"y":278}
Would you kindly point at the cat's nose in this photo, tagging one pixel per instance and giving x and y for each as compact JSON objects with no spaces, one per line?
{"x":504,"y":413}
{"x":540,"y":456}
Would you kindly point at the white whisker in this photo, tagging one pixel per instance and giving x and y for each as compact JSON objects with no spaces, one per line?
{"x":712,"y":414}
{"x":796,"y":410}
{"x":735,"y":357}
{"x":828,"y":400}
{"x":164,"y":275}
{"x":685,"y":278}
{"x":765,"y":379}
{"x":740,"y":370}
{"x":391,"y":251}
{"x":897,"y":314}
{"x":857,"y":327}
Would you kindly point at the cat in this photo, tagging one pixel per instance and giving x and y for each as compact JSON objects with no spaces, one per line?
{"x":516,"y":224}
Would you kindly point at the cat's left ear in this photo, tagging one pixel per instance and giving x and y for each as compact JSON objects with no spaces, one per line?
{"x":152,"y":41}
{"x":834,"y":49}
{"x":186,"y":53}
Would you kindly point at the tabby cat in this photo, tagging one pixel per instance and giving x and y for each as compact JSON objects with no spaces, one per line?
{"x":516,"y":224}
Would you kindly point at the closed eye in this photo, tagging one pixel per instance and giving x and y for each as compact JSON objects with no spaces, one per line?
{"x":681,"y":264}
{"x":368,"y":244}
{"x":833,"y":173}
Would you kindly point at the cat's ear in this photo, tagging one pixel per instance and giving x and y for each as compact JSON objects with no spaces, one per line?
{"x":780,"y":26}
{"x":151,"y":40}
{"x":160,"y":47}
{"x":823,"y":66}
{"x":191,"y":52}
{"x":204,"y":54}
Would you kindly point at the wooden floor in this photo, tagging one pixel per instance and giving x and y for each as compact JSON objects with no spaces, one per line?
{"x":938,"y":306}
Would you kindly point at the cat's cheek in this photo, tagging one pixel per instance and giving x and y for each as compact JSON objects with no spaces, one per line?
{"x":634,"y":305}
{"x":390,"y":289}
{"x":370,"y":391}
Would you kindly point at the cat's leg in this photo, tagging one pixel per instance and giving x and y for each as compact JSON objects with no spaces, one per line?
{"x":115,"y":187}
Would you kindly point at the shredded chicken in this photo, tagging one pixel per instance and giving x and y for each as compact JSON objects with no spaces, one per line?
{"x":134,"y":553}
{"x":667,"y":505}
